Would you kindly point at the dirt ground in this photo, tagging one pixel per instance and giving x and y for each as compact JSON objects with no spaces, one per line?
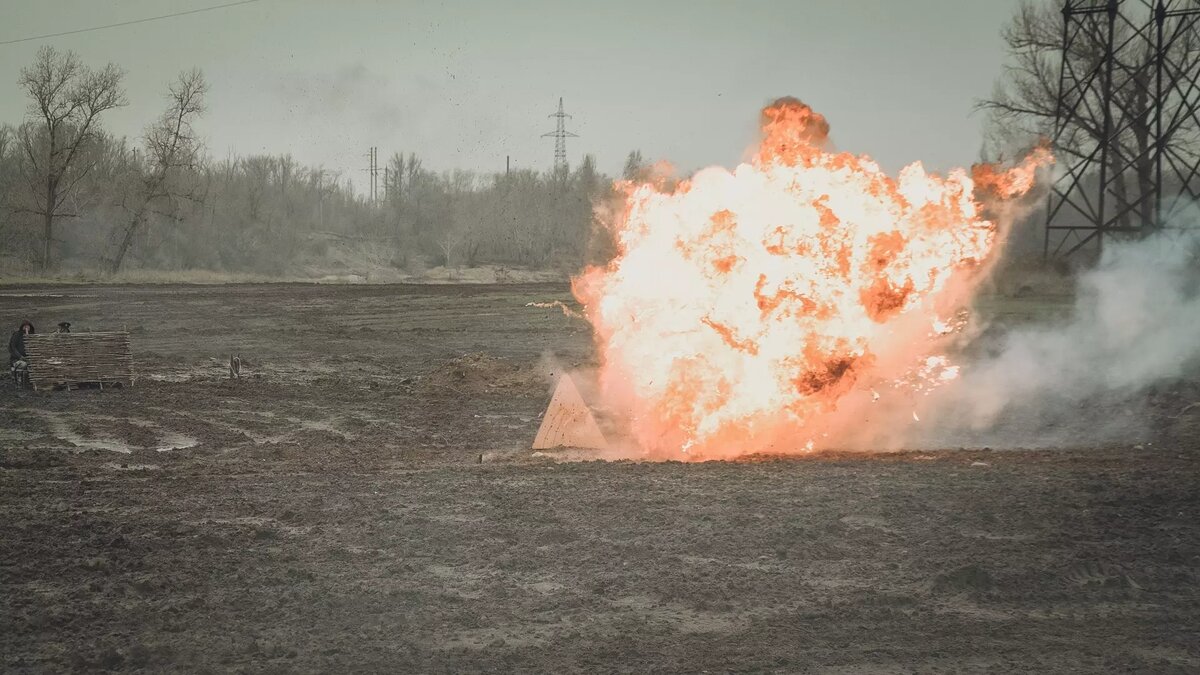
{"x":330,"y":512}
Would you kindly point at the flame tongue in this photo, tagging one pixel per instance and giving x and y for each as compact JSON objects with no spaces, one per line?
{"x":791,"y":133}
{"x":745,"y":307}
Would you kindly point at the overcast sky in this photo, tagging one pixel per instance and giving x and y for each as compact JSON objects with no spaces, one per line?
{"x":463,"y":84}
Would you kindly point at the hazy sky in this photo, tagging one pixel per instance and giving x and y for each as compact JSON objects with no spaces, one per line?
{"x":463,"y":84}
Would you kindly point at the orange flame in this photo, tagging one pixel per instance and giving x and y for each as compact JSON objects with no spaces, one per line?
{"x":755,"y":311}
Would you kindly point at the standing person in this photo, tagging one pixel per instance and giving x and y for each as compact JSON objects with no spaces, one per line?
{"x":16,"y":350}
{"x":16,"y":343}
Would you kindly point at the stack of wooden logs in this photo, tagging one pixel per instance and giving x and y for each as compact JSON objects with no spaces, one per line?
{"x":74,"y":359}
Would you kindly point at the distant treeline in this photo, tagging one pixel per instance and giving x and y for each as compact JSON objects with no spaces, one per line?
{"x":73,"y":197}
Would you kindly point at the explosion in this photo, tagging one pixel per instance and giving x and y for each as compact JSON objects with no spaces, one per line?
{"x":765,"y":310}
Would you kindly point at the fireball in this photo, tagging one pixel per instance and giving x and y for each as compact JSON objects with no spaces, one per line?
{"x":764,"y":309}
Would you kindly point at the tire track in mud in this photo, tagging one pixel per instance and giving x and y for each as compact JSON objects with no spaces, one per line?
{"x":64,"y":427}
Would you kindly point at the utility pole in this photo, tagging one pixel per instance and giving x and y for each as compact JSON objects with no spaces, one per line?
{"x":560,"y":135}
{"x":373,"y":175}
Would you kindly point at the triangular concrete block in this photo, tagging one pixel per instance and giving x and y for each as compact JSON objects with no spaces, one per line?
{"x":568,"y":421}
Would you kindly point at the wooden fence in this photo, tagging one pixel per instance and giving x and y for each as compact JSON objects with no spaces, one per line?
{"x":74,"y":359}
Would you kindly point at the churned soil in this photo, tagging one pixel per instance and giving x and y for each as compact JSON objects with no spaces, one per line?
{"x":337,"y":509}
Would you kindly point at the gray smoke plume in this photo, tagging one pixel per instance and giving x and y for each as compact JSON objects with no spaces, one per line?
{"x":1135,"y":324}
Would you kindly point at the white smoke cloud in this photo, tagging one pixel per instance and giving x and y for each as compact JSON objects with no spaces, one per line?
{"x":1135,"y":323}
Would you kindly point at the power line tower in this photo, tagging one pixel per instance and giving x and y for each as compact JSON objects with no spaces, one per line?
{"x":1127,"y":117}
{"x":373,"y":174}
{"x":560,"y":135}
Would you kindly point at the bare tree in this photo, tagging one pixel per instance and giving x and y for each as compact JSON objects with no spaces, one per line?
{"x":66,"y":101}
{"x":635,"y":166}
{"x":6,"y":137}
{"x":395,"y":191}
{"x":449,"y":241}
{"x":8,"y":164}
{"x":172,"y":153}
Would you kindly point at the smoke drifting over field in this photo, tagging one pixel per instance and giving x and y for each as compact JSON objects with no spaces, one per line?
{"x":1134,"y":324}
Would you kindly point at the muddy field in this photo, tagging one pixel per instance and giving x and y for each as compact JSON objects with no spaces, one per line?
{"x":330,"y":512}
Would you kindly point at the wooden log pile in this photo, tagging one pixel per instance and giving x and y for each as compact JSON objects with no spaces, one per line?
{"x":74,"y":359}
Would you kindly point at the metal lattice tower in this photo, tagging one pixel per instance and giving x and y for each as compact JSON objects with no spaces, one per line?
{"x":560,"y":135}
{"x":1127,"y":120}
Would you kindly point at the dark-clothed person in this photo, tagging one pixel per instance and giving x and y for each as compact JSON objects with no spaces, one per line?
{"x":16,"y":343}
